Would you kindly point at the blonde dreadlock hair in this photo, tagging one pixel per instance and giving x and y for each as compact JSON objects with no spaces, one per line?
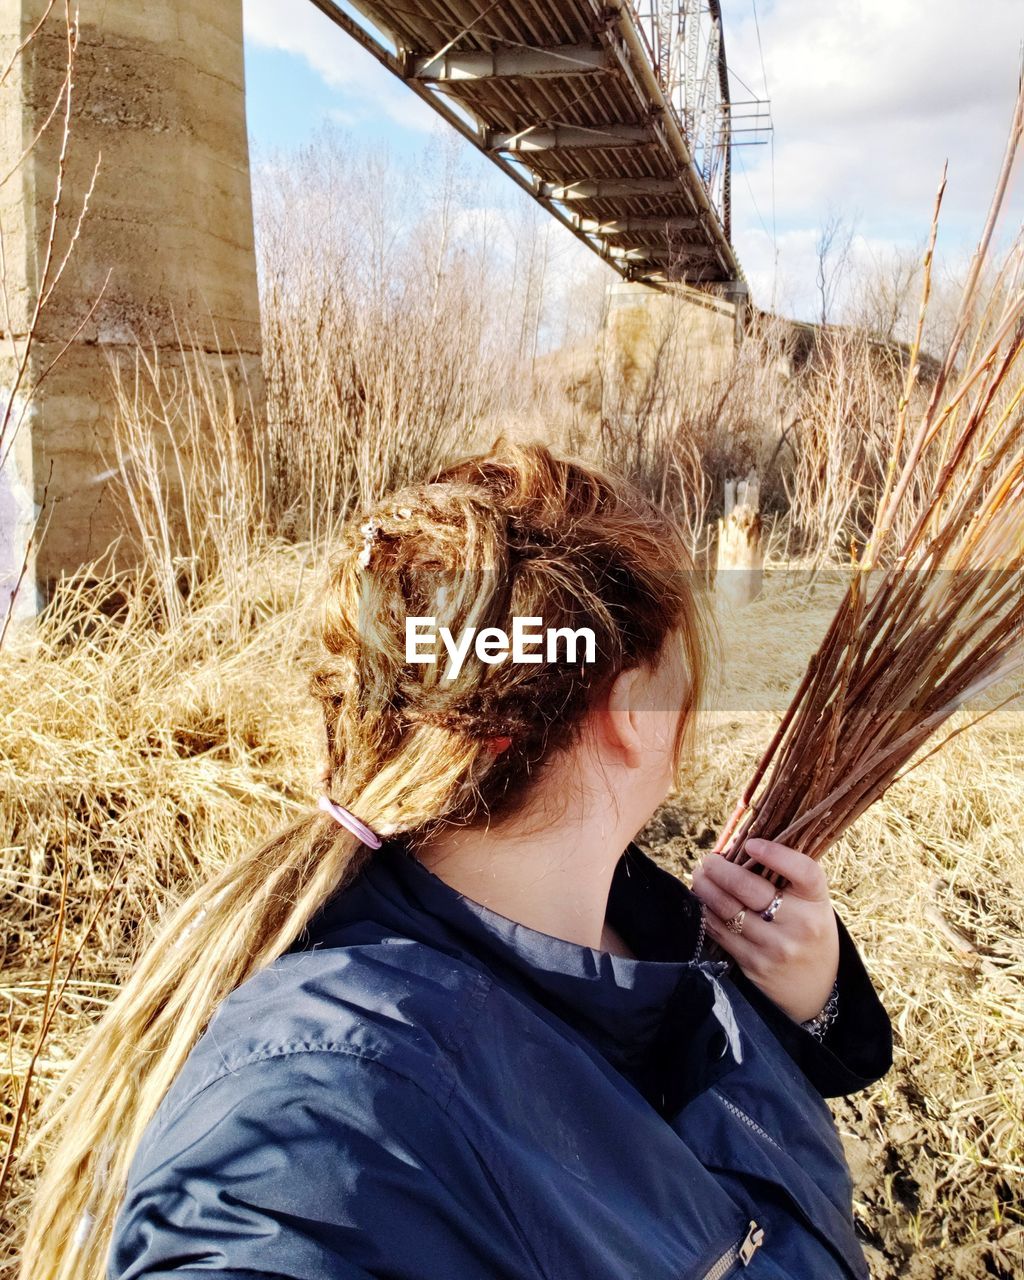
{"x":518,"y":532}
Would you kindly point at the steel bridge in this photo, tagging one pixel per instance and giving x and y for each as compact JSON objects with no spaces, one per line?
{"x":614,"y":115}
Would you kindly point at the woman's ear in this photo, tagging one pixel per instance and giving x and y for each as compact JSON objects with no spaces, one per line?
{"x":621,"y":718}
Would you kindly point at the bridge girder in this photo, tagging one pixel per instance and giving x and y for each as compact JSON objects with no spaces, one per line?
{"x":626,"y":226}
{"x":566,"y":60}
{"x":563,"y":137}
{"x":607,"y":188}
{"x":664,"y":255}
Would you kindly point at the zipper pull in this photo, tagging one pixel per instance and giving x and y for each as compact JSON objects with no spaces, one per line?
{"x":753,"y":1241}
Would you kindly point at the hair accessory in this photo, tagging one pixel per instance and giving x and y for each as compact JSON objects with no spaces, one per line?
{"x":348,"y":820}
{"x":369,"y":530}
{"x":497,"y":745}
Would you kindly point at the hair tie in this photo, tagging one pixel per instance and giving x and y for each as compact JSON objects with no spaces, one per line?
{"x":344,"y":818}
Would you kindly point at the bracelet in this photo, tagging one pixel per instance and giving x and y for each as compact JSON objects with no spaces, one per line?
{"x":821,"y":1022}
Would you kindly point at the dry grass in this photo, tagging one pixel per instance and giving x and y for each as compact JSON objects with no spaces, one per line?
{"x":135,"y":757}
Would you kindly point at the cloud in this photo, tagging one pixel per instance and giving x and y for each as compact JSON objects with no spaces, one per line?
{"x":370,"y":90}
{"x":869,"y":98}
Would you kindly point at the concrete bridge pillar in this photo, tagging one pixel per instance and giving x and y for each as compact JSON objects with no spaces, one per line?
{"x":166,"y":247}
{"x":674,"y":332}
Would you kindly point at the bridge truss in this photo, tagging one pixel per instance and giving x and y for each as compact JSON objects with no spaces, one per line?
{"x":615,"y":115}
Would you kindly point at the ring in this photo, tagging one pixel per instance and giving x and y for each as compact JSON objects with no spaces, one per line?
{"x":735,"y":923}
{"x":771,"y":910}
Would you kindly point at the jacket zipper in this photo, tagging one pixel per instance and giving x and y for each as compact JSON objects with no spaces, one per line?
{"x":742,"y":1253}
{"x":740,"y":1114}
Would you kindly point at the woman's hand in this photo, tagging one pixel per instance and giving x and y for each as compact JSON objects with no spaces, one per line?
{"x":794,"y":958}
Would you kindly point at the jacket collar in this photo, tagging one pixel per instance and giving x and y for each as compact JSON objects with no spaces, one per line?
{"x":661,"y":1019}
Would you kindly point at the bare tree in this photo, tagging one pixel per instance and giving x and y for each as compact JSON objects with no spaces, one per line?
{"x":832,"y":251}
{"x":886,"y":292}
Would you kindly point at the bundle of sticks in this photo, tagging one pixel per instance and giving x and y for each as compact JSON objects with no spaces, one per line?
{"x":933,"y":615}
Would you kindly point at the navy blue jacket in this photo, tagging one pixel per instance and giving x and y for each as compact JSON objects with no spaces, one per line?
{"x":422,"y":1089}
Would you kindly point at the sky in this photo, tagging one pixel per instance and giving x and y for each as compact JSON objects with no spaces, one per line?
{"x":869,"y":98}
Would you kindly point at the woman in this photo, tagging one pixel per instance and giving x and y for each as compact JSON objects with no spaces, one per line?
{"x":444,"y":1027}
